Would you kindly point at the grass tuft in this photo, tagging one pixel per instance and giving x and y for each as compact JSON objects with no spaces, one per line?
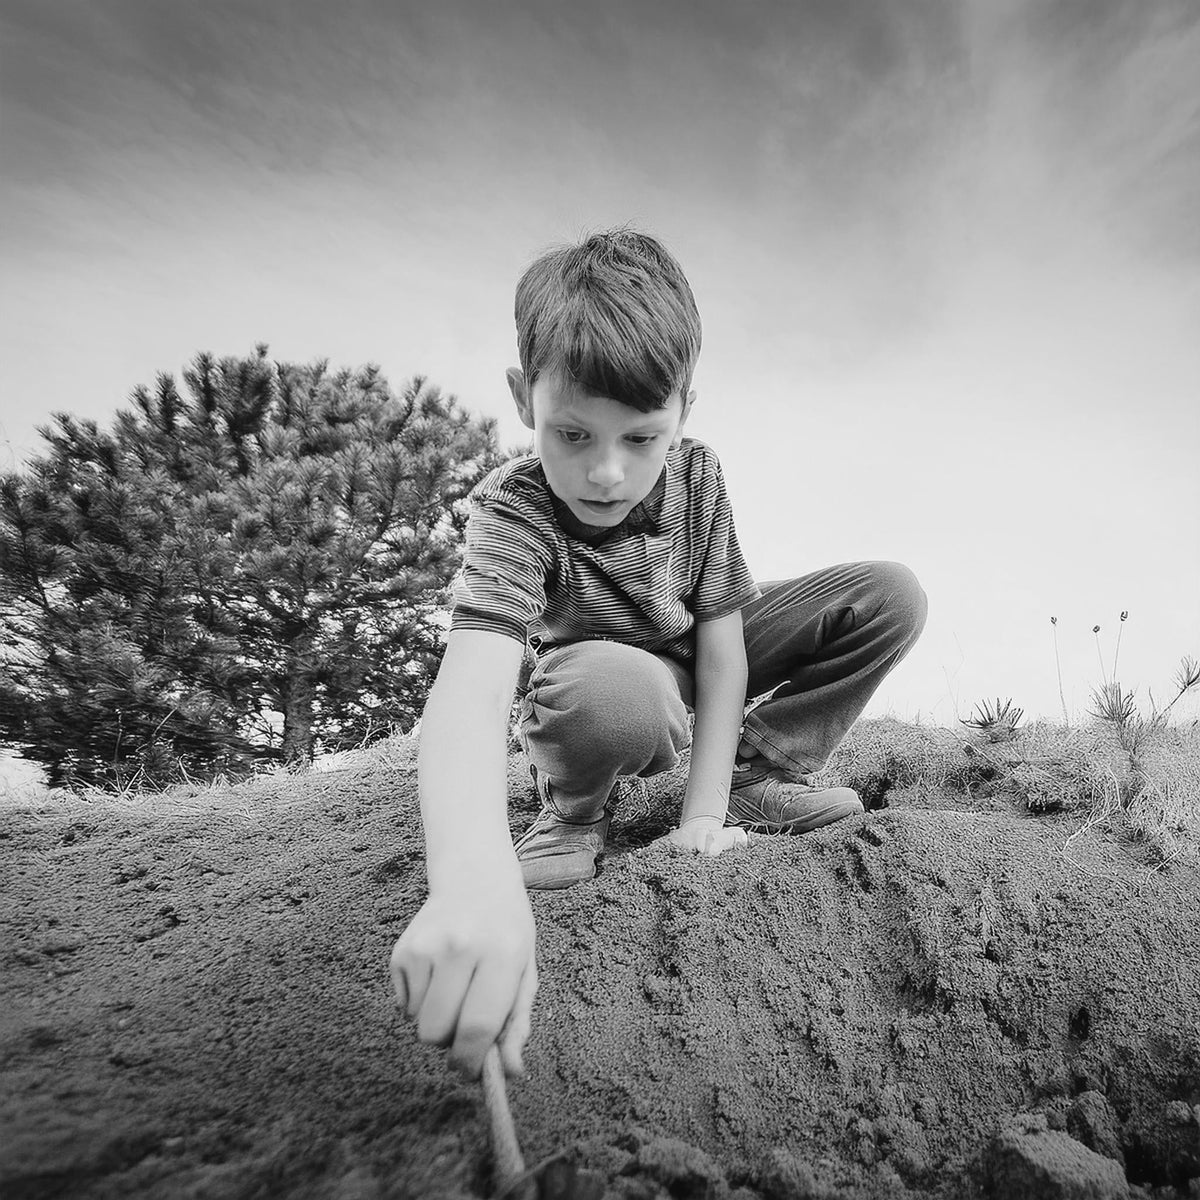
{"x":998,"y":724}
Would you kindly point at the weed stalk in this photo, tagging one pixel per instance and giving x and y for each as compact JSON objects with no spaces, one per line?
{"x":1058,"y":667}
{"x":1117,"y":651}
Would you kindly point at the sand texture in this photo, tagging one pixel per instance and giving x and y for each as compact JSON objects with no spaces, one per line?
{"x":945,"y":997}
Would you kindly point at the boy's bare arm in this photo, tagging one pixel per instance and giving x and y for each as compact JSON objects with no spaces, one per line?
{"x":464,"y":968}
{"x":720,"y":700}
{"x":463,"y":756}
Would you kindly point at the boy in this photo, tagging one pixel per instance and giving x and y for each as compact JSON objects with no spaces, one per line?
{"x":613,"y":551}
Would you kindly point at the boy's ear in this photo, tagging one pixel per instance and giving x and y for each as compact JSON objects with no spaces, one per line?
{"x":688,"y":401}
{"x":521,"y":395}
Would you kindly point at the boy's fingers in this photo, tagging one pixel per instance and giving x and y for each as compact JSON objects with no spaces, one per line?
{"x":733,"y":837}
{"x":417,"y":977}
{"x":442,"y":1002}
{"x":488,"y":1003}
{"x":516,"y":1035}
{"x":396,"y":970}
{"x":410,"y":977}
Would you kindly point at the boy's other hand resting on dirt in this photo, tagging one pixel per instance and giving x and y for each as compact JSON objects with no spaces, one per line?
{"x":708,"y":836}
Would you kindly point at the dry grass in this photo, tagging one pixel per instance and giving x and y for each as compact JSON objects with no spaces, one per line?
{"x":1152,"y":796}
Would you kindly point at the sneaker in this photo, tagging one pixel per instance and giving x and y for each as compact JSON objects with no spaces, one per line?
{"x":555,"y":853}
{"x":765,"y":800}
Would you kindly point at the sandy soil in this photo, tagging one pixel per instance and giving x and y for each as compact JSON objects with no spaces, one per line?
{"x":943,"y":998}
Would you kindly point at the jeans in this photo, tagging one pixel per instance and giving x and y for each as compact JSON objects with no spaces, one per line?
{"x":820,"y":645}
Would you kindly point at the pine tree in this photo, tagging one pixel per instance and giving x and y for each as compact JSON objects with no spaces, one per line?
{"x":100,"y":652}
{"x":247,"y":571}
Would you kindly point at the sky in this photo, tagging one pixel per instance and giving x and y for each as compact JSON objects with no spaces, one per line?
{"x":946,"y":254}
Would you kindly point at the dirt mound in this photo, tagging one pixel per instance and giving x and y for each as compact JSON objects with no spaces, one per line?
{"x":942,"y":998}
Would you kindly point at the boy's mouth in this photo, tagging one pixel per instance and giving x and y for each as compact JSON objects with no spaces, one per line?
{"x":602,"y":506}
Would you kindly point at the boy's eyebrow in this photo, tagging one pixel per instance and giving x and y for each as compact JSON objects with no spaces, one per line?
{"x":652,"y":421}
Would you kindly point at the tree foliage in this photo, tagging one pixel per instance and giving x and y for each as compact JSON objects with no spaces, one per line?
{"x":240,"y":571}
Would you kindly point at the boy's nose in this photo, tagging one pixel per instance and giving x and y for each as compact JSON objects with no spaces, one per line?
{"x":606,"y":471}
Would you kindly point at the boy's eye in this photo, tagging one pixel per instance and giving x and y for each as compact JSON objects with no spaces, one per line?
{"x":643,"y":439}
{"x":572,"y":435}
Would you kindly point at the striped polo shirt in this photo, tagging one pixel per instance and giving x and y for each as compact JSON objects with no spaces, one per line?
{"x":532,"y":572}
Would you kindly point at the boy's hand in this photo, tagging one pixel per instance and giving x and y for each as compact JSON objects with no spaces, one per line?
{"x":708,"y":835}
{"x":464,"y":970}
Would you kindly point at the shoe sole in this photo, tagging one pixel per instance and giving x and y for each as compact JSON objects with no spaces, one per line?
{"x":555,"y":884}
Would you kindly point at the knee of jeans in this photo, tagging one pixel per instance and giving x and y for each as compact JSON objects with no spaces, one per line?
{"x":617,"y":695}
{"x":902,"y":593}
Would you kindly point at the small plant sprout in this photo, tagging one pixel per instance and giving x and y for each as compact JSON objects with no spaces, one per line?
{"x":1113,"y":704}
{"x":998,"y":724}
{"x":1110,"y":701}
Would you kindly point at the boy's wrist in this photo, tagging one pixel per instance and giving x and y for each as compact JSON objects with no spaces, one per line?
{"x":688,"y":819}
{"x":472,"y":865}
{"x":705,"y":796}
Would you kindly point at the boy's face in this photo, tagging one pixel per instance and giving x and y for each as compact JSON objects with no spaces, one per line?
{"x":601,"y":457}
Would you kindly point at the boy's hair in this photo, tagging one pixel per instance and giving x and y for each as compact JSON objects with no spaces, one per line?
{"x":614,"y":315}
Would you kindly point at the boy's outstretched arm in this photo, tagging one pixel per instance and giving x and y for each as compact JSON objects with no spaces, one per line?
{"x":464,"y":968}
{"x":720,"y":701}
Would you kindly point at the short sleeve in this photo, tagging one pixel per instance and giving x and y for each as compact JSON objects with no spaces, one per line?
{"x":725,"y":583}
{"x":501,"y":586}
